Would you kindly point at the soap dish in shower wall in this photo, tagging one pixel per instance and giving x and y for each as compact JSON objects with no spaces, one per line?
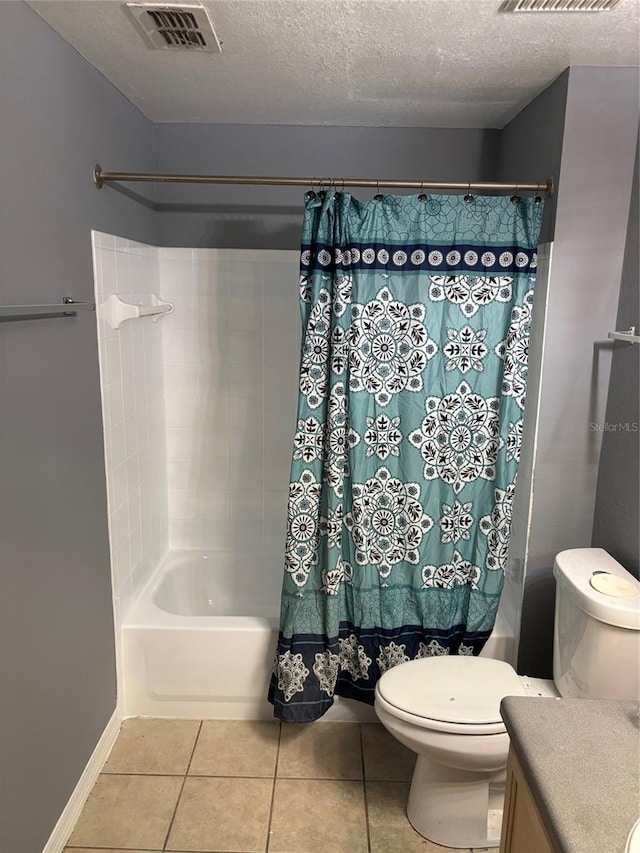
{"x":115,"y":311}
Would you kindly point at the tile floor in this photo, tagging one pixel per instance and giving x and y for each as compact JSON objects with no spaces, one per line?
{"x":220,"y":786}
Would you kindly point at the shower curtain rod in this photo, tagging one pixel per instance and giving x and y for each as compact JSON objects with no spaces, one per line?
{"x":101,"y":177}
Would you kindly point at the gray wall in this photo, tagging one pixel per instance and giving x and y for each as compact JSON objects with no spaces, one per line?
{"x":269,"y":217}
{"x":57,"y":115}
{"x":617,"y":512}
{"x":531,"y":145}
{"x":530,"y":149}
{"x":597,"y":144}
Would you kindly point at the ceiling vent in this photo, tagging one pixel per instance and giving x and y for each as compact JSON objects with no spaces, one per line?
{"x":558,"y":5}
{"x":172,"y":27}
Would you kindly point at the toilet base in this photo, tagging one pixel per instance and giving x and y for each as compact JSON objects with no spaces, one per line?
{"x":456,"y":808}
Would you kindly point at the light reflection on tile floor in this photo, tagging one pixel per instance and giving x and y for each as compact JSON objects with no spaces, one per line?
{"x":220,"y":786}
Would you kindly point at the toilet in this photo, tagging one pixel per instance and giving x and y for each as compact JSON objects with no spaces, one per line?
{"x":447,"y":709}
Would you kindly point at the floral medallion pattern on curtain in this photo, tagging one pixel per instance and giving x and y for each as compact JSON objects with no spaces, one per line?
{"x":413,"y":373}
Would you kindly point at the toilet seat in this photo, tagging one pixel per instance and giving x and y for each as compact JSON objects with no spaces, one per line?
{"x":438,"y":725}
{"x":458,"y":694}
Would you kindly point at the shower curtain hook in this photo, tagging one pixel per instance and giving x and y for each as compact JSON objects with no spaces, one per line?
{"x":423,"y":196}
{"x":310,"y":194}
{"x":515,"y":198}
{"x":378,"y":195}
{"x":468,"y":197}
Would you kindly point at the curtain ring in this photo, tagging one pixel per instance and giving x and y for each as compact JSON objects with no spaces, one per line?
{"x":342,"y":190}
{"x":378,"y":195}
{"x":423,"y":196}
{"x":310,"y":194}
{"x":468,"y":198}
{"x":538,"y":198}
{"x":515,"y":198}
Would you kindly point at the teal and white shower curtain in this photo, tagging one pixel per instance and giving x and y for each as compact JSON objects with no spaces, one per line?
{"x":415,"y":314}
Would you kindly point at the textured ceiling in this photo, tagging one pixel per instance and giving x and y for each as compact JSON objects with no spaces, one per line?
{"x":436,"y":63}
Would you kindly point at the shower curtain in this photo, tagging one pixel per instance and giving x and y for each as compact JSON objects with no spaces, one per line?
{"x":415,"y":314}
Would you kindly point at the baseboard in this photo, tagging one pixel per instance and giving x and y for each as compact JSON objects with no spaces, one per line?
{"x":71,"y":812}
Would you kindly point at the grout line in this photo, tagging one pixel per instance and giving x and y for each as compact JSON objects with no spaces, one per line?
{"x":273,"y":789}
{"x":124,"y":849}
{"x":184,"y":779}
{"x":138,"y":773}
{"x":216,"y":776}
{"x":283,"y":778}
{"x":364,"y":789}
{"x":245,"y":776}
{"x":318,"y":778}
{"x":148,"y":850}
{"x":108,"y":850}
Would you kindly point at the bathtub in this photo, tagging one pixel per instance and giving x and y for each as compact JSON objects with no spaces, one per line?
{"x":200,"y":641}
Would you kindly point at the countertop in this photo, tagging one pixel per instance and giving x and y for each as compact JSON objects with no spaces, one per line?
{"x":581,"y":758}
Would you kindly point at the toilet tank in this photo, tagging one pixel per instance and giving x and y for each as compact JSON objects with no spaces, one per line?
{"x":596,"y":641}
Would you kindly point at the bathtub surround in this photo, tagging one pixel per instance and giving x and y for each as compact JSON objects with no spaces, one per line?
{"x":199,"y":408}
{"x":131,"y":383}
{"x":58,"y":693}
{"x":226,"y":374}
{"x":215,"y":409}
{"x":230,"y":356}
{"x":198,"y":415}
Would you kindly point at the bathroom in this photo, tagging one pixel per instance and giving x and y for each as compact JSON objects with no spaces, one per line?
{"x":63,"y":610}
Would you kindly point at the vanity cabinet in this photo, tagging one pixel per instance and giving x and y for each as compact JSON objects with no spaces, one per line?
{"x":522,"y":827}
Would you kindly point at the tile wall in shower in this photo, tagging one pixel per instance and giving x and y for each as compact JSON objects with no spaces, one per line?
{"x":131,"y":379}
{"x":230,"y":356}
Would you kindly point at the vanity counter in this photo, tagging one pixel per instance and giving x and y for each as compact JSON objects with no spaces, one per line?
{"x":581,"y":760}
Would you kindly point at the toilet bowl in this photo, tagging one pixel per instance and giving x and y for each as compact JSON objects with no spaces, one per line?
{"x":447,"y":708}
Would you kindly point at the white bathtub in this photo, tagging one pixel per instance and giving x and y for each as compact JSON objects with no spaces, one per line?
{"x":200,"y":641}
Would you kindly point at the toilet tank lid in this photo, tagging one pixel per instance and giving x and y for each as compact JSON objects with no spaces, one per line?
{"x":573,"y":571}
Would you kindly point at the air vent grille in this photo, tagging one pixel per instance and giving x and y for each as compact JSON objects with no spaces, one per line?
{"x":168,"y":27}
{"x":558,"y":5}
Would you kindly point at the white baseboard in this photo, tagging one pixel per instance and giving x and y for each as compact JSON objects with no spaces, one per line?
{"x":71,"y":813}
